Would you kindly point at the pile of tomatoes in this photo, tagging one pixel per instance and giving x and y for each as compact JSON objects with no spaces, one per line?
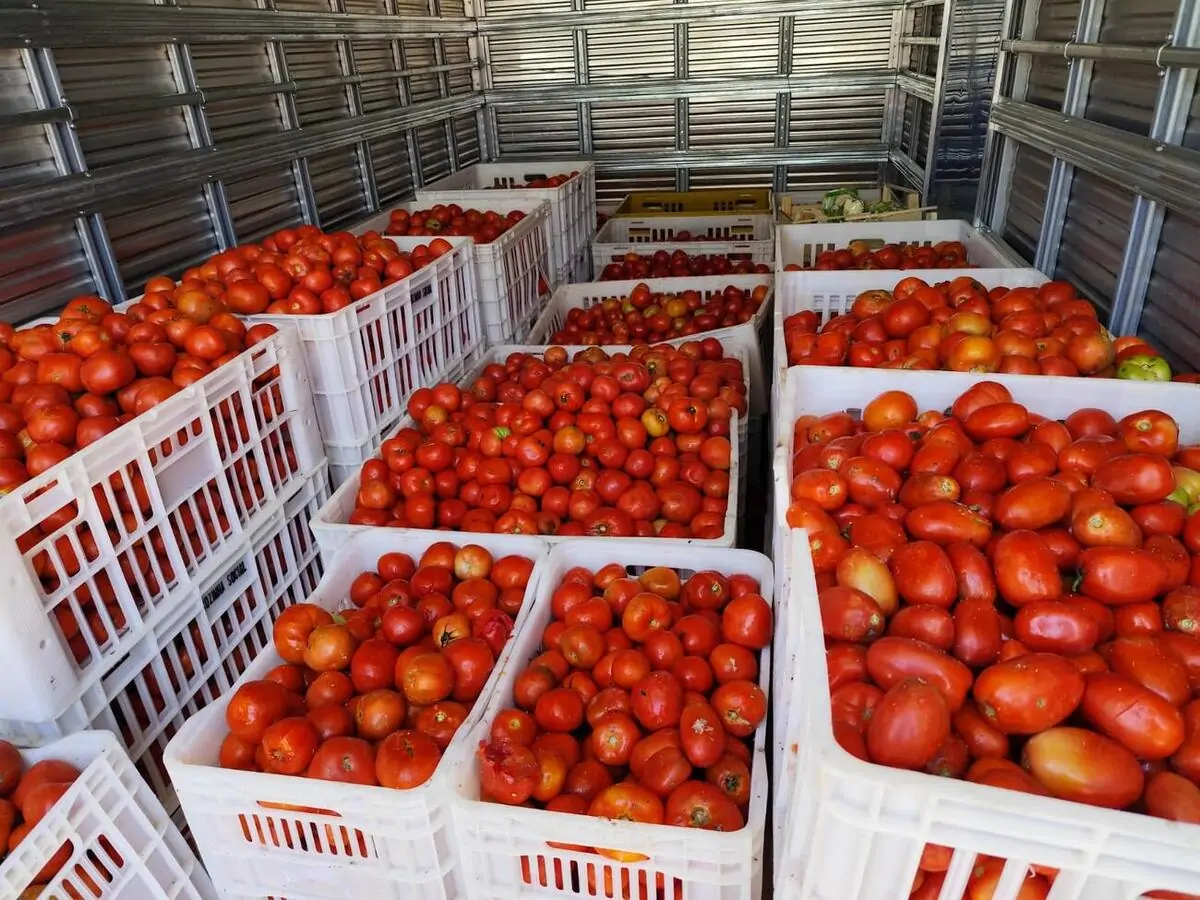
{"x":680,"y":264}
{"x":26,"y":796}
{"x":863,"y":255}
{"x":451,"y":219}
{"x":643,"y":705}
{"x":961,"y":326}
{"x":551,"y":181}
{"x":1010,"y":599}
{"x":626,"y":445}
{"x":375,"y":694}
{"x":648,"y":316}
{"x":295,"y":271}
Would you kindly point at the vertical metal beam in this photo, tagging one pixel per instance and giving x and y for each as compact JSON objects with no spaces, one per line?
{"x":180,"y":57}
{"x":682,"y":107}
{"x":783,"y":100}
{"x":1171,"y":111}
{"x":439,"y":59}
{"x":291,"y":121}
{"x":1062,"y":174}
{"x":939,"y":100}
{"x":68,"y":159}
{"x":481,"y":70}
{"x":349,"y":67}
{"x":583,"y":110}
{"x":999,"y":153}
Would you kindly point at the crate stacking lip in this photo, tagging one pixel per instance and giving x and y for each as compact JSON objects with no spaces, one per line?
{"x":122,"y":843}
{"x":852,"y":830}
{"x":513,"y":272}
{"x":263,"y":834}
{"x":103,"y":549}
{"x":572,"y":204}
{"x":698,"y":203}
{"x":365,"y":359}
{"x":750,"y":236}
{"x":195,"y":655}
{"x":506,"y":851}
{"x":332,"y":528}
{"x":749,"y":337}
{"x":801,"y":244}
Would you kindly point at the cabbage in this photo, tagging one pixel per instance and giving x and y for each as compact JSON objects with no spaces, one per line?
{"x":853,"y":207}
{"x":834,"y":202}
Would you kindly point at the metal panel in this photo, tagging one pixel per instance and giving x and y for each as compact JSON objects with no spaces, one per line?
{"x":466,"y":140}
{"x":731,"y":178}
{"x":1145,"y":22}
{"x":1123,"y":95}
{"x":393,"y":171}
{"x":546,"y":129}
{"x":718,"y":49}
{"x":320,"y":92}
{"x":241,"y":73}
{"x":148,"y":240}
{"x":1169,"y":317}
{"x":1094,"y":233}
{"x":855,"y":40}
{"x":337,"y":186}
{"x":1027,"y":201}
{"x":377,"y":63}
{"x":41,"y":269}
{"x":633,"y":125}
{"x":263,"y":202}
{"x":731,"y":123}
{"x":974,"y":45}
{"x":609,"y":55}
{"x":435,"y":153}
{"x":544,"y":57}
{"x":457,"y":53}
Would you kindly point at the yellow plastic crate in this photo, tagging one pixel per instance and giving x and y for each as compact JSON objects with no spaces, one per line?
{"x":697,"y":203}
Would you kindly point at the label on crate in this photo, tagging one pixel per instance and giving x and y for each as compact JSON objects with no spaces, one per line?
{"x":217,"y":591}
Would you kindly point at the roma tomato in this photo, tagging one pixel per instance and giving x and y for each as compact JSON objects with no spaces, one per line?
{"x":1080,"y":765}
{"x":909,"y":725}
{"x":1026,"y":570}
{"x":922,"y":573}
{"x":1137,"y":718}
{"x":1029,"y":694}
{"x":850,"y":615}
{"x":891,"y":660}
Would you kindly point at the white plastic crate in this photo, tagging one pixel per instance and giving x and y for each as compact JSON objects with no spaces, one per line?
{"x":748,"y":337}
{"x":831,"y":294}
{"x":513,"y":272}
{"x":572,"y":206}
{"x":578,"y":270}
{"x":505,"y":849}
{"x":750,"y":237}
{"x":855,"y":831}
{"x":123,"y":845}
{"x":196,"y":654}
{"x":100,"y":551}
{"x":269,"y":835}
{"x":367,"y":358}
{"x":332,"y":530}
{"x":801,"y":244}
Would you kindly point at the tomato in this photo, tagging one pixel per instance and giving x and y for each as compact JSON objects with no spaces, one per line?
{"x":982,"y":740}
{"x":862,"y":570}
{"x":559,"y":710}
{"x":627,"y":802}
{"x":1029,"y":694}
{"x":747,"y":621}
{"x":1056,"y":627}
{"x":891,"y":660}
{"x":406,"y":759}
{"x":985,"y":879}
{"x":1181,"y":648}
{"x":1135,"y":478}
{"x":293,"y":627}
{"x":924,"y":622}
{"x":657,"y":701}
{"x":891,"y":409}
{"x":1171,"y":796}
{"x":427,"y":678}
{"x":909,"y":725}
{"x":1025,"y":568}
{"x":701,"y":735}
{"x":255,"y":707}
{"x":1080,"y":765}
{"x":1119,"y":575}
{"x":10,"y":768}
{"x":644,"y":614}
{"x":508,"y":773}
{"x":945,"y":522}
{"x":850,"y":615}
{"x":1006,"y":774}
{"x":696,"y":804}
{"x":289,"y":744}
{"x":348,"y":760}
{"x":1134,"y":716}
{"x":923,"y":574}
{"x":1033,"y":504}
{"x":1150,"y":432}
{"x":741,"y":705}
{"x":330,"y":647}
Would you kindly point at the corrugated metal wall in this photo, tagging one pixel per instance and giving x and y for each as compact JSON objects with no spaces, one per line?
{"x":138,"y":139}
{"x":665,"y":96}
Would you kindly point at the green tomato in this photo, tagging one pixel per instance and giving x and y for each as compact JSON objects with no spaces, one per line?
{"x":1144,"y":368}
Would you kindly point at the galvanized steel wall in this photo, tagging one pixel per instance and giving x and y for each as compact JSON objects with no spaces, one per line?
{"x":137,"y":139}
{"x":1092,"y":160}
{"x":678,"y":95}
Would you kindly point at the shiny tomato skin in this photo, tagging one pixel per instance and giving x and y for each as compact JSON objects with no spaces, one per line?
{"x":1006,"y":774}
{"x":982,"y":740}
{"x":977,"y":632}
{"x":701,"y":735}
{"x":848,"y":614}
{"x":845,"y":662}
{"x":1171,"y":796}
{"x":1080,"y":765}
{"x":945,"y":522}
{"x":891,"y":660}
{"x":1183,"y":658}
{"x":922,"y":573}
{"x":1134,"y":716}
{"x":1053,"y":626}
{"x":1032,"y":504}
{"x":1119,"y":575}
{"x":908,"y":726}
{"x":1029,"y":694}
{"x":1025,"y":568}
{"x":972,"y":572}
{"x":924,"y":622}
{"x":1135,"y":478}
